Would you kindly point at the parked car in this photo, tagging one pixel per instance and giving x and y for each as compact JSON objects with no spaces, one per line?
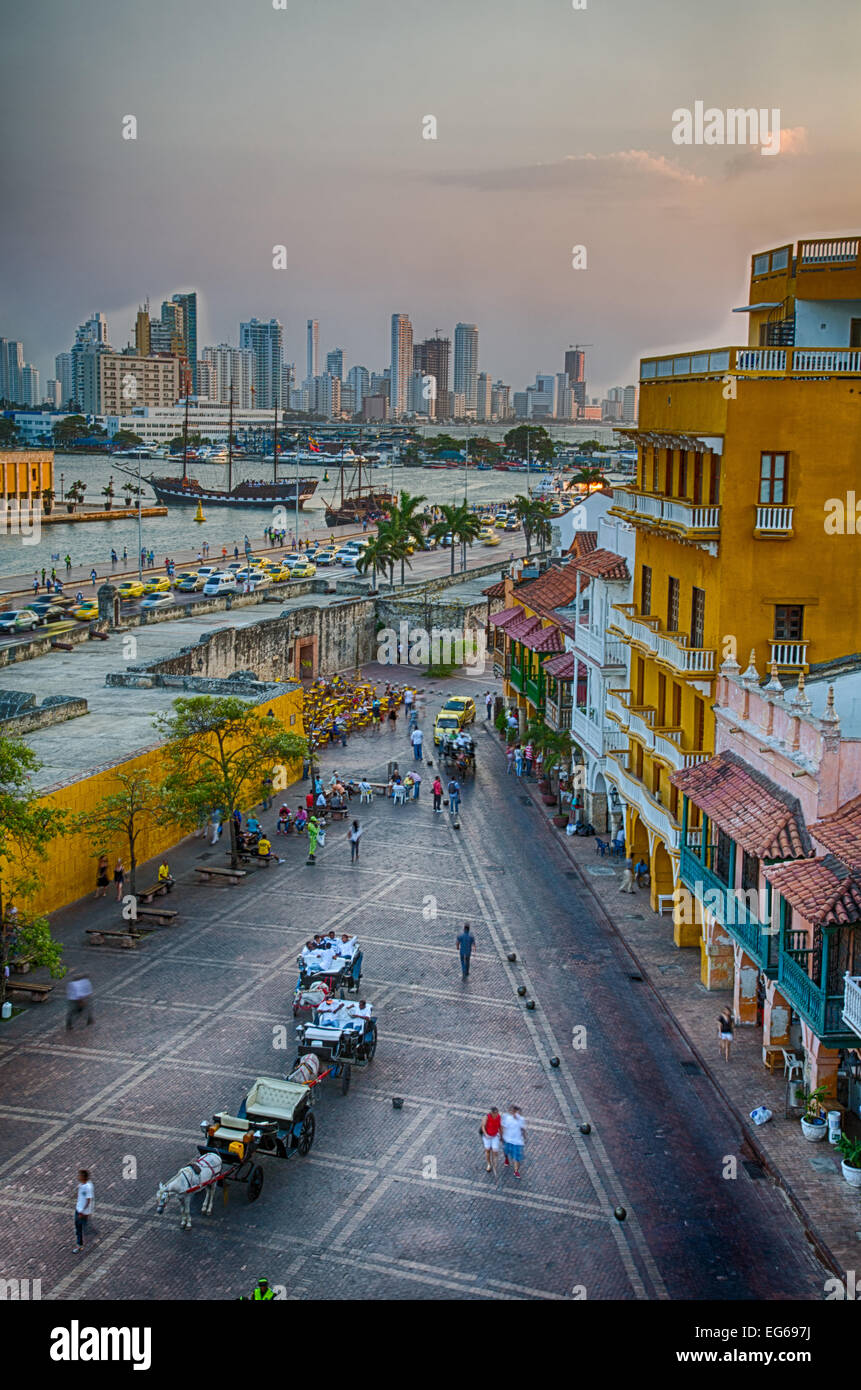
{"x":223,"y":583}
{"x":190,"y":583}
{"x":159,"y":584}
{"x":87,"y":611}
{"x":130,"y":589}
{"x":19,"y":620}
{"x":158,"y":601}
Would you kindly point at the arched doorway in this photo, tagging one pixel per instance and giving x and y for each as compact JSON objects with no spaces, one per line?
{"x":598,"y":813}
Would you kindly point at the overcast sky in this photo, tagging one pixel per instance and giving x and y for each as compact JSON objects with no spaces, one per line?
{"x":303,"y":127}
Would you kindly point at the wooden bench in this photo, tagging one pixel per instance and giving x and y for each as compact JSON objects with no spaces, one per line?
{"x":128,"y":940}
{"x":338,"y":812}
{"x":146,"y":895}
{"x":37,"y":992}
{"x":20,"y":964}
{"x":232,"y":875}
{"x":163,"y":915}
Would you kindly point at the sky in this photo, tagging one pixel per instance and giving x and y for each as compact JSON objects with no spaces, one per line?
{"x":302,"y":126}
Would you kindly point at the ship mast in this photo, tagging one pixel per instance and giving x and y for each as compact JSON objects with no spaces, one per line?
{"x":230,"y":440}
{"x":185,"y":434}
{"x":275,"y":448}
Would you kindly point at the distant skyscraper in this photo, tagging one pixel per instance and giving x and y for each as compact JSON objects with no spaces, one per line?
{"x":53,"y":393}
{"x":266,"y":342}
{"x":466,"y":363}
{"x":381,"y":384}
{"x":30,"y":391}
{"x":417,"y":402}
{"x":142,"y":332}
{"x":483,"y":398}
{"x":432,"y":357}
{"x":188,"y":304}
{"x":565,"y":406}
{"x":63,"y":370}
{"x":230,"y":365}
{"x":402,"y":361}
{"x":335,"y":363}
{"x":500,"y":401}
{"x":11,"y":369}
{"x":313,"y":335}
{"x":359,"y":379}
{"x":575,"y":370}
{"x":630,"y":402}
{"x":327,"y":395}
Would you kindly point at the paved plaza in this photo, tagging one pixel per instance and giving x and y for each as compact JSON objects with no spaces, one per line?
{"x":390,"y":1203}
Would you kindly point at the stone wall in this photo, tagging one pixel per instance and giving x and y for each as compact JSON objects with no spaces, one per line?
{"x":19,"y":713}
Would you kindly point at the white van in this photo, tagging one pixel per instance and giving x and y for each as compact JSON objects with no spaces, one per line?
{"x":224,"y":583}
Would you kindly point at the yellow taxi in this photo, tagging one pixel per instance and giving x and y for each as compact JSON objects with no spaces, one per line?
{"x":303,"y":571}
{"x":462,"y":706}
{"x":129,"y":589}
{"x":500,"y":520}
{"x":446,"y":724}
{"x":267,"y":564}
{"x":86,"y":611}
{"x":488,"y":536}
{"x":279,"y":575}
{"x":159,"y":584}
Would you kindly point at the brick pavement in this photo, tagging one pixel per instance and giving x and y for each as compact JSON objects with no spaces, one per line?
{"x":390,"y":1204}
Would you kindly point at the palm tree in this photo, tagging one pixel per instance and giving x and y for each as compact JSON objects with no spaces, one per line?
{"x":407,"y":526}
{"x":440,"y":529}
{"x":541,"y":523}
{"x":524,"y":510}
{"x":555,"y":745}
{"x":465,"y":528}
{"x":590,"y":473}
{"x":376,"y":555}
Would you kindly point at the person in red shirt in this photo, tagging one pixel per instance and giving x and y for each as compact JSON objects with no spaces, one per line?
{"x":490,"y":1138}
{"x":437,"y":795}
{"x":309,"y":802}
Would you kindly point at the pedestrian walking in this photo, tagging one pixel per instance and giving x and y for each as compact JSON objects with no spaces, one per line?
{"x":355,"y":837}
{"x":417,"y":781}
{"x":44,"y":573}
{"x":93,"y":575}
{"x":393,"y":716}
{"x":125,"y":554}
{"x":114,"y":556}
{"x":79,"y":996}
{"x":488,"y":704}
{"x":527,"y":758}
{"x":489,"y":1131}
{"x":217,"y":826}
{"x":84,"y":1202}
{"x":437,"y":795}
{"x":627,"y":884}
{"x":408,"y":699}
{"x":513,"y":1138}
{"x":518,"y":760}
{"x":35,"y":584}
{"x":454,"y":796}
{"x":509,"y":758}
{"x":68,"y":563}
{"x":465,"y":947}
{"x":417,"y":739}
{"x":313,"y":839}
{"x":102,"y":876}
{"x":119,"y":878}
{"x":725,"y":1032}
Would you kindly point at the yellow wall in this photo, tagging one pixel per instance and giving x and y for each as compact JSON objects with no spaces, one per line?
{"x":69,"y":867}
{"x":25,"y":472}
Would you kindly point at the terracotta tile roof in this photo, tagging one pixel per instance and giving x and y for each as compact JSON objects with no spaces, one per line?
{"x":505,"y":617}
{"x":545,"y":639}
{"x":750,"y":808}
{"x":602,"y":564}
{"x":562,"y":667}
{"x":496,"y":590}
{"x":821,"y":890}
{"x":583,"y":542}
{"x":841,"y":833}
{"x":565,"y":625}
{"x":522,"y":626}
{"x":555,"y":588}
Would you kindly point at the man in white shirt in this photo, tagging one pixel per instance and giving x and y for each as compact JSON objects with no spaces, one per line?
{"x":83,"y":1207}
{"x":417,"y":739}
{"x":513,"y":1138}
{"x":79,"y":996}
{"x":346,"y":947}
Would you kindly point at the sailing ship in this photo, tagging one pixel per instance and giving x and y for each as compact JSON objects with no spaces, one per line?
{"x":186,"y":491}
{"x":356,"y":504}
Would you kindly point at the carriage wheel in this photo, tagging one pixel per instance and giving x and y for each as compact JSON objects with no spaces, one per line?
{"x":372,"y":1045}
{"x":306,"y":1136}
{"x":255,"y":1183}
{"x":346,"y":1078}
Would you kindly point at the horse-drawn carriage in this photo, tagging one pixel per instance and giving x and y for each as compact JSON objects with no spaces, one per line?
{"x":338,"y":975}
{"x":342,"y":1034}
{"x":275,"y":1118}
{"x":459,"y":757}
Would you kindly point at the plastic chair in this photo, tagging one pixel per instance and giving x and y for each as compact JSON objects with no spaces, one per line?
{"x":791,"y":1064}
{"x":399,"y":795}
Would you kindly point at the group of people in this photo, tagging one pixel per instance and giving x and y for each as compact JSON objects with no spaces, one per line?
{"x":507,"y":1131}
{"x":521,"y":759}
{"x":326,"y":954}
{"x":634,"y":876}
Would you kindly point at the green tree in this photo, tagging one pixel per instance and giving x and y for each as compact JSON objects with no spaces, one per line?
{"x":376,"y":556}
{"x":534,"y":514}
{"x":555,"y":746}
{"x":466,"y":528}
{"x":406,"y":526}
{"x":26,"y":827}
{"x":72,"y":428}
{"x":126,"y":439}
{"x":125,"y":814}
{"x":8,"y":432}
{"x":218,"y":754}
{"x":532,"y":441}
{"x":445,"y":526}
{"x":590,"y":474}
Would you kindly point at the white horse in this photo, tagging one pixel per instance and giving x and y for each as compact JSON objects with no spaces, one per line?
{"x":307,"y":1070}
{"x":209,"y":1165}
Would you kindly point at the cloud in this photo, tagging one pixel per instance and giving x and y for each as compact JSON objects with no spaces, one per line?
{"x":793,"y":140}
{"x":620,"y":172}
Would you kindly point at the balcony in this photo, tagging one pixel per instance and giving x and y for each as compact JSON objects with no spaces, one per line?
{"x":515,"y":676}
{"x":834,"y":251}
{"x":668,"y":746}
{"x":557,"y":715}
{"x":533,"y":689}
{"x":617,"y":705}
{"x":753,"y":362}
{"x":790,"y":656}
{"x":774,"y":521}
{"x":641,"y":719}
{"x":604,"y":650}
{"x":729,"y":908}
{"x":823,"y":1012}
{"x":669,"y":514}
{"x":587,"y":730}
{"x":852,"y":1003}
{"x":635,"y":792}
{"x":695,"y":662}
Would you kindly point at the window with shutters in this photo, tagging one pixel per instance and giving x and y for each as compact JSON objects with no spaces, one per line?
{"x":646,"y":590}
{"x":677,"y":705}
{"x":698,"y":616}
{"x":723,"y":858}
{"x":672,"y":604}
{"x":662,"y":700}
{"x":772,"y":479}
{"x":714,"y":481}
{"x":749,"y":871}
{"x":699,"y":724}
{"x":788,"y":622}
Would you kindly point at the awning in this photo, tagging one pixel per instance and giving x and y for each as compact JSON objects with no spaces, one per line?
{"x":752,"y":308}
{"x":561,"y":667}
{"x":522,"y":627}
{"x":505,"y":617}
{"x":545,"y":639}
{"x":841,"y":833}
{"x":820,"y":890}
{"x":743,"y":803}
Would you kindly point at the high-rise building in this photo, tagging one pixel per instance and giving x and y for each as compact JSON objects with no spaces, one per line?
{"x":64,"y":372}
{"x":91,"y":338}
{"x":484,"y":403}
{"x":11,"y":368}
{"x":115,"y":383}
{"x":143,"y":335}
{"x":30,"y":392}
{"x":565,"y":406}
{"x":375,"y":407}
{"x":231,"y":365}
{"x":188,"y":305}
{"x":466,"y":363}
{"x":417,"y":402}
{"x":500,"y":401}
{"x":266,"y":342}
{"x":402,"y":361}
{"x":348,"y":399}
{"x":207,"y":380}
{"x":575,"y":370}
{"x":630,"y":402}
{"x":433,"y":358}
{"x":53,"y":393}
{"x":312,"y":349}
{"x":359,"y":379}
{"x":335,"y":363}
{"x":327,"y":396}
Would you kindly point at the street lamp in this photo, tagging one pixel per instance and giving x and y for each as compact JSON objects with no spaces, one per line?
{"x":62,"y":491}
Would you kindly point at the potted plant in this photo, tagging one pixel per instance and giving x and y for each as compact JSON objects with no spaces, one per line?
{"x":813,"y":1125}
{"x":850,"y":1151}
{"x":500,"y":724}
{"x":108,"y":494}
{"x":47,"y":500}
{"x":75,"y":494}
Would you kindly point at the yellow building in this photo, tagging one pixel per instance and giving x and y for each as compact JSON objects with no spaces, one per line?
{"x":748,"y":457}
{"x":25,"y":474}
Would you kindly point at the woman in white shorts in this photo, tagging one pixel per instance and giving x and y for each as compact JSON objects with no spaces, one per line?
{"x":489,"y":1132}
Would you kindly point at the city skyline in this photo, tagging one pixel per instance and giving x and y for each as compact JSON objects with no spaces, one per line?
{"x":476,"y":225}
